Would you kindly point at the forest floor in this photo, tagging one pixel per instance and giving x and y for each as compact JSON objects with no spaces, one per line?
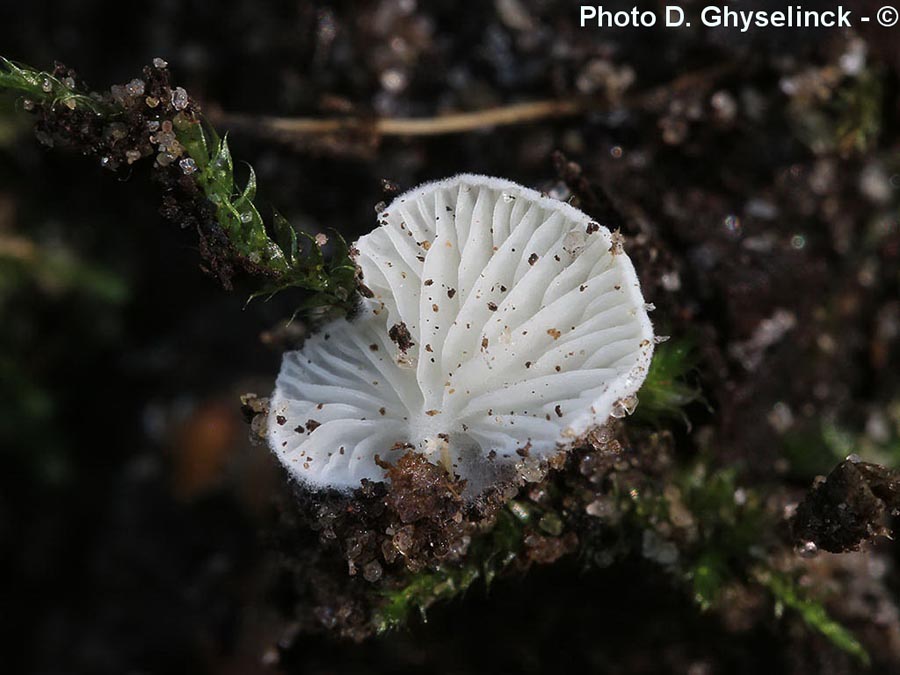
{"x":755,"y":178}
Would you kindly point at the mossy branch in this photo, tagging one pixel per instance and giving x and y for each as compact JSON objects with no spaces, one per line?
{"x":710,"y":534}
{"x":47,"y":89}
{"x":787,"y":594}
{"x":489,"y":555}
{"x":149,"y":117}
{"x":289,"y":258}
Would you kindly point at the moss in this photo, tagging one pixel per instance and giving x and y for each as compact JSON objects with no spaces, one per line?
{"x":668,"y":388}
{"x":725,"y":538}
{"x":814,"y":449}
{"x":196,"y":170}
{"x":489,"y":555}
{"x":58,"y":88}
{"x":848,"y":119}
{"x":859,"y":108}
{"x":787,"y":594}
{"x":287,"y":258}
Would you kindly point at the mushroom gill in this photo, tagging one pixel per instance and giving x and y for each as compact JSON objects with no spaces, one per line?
{"x":503,"y":324}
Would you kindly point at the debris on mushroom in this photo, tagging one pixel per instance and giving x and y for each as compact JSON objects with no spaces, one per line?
{"x":502,"y":325}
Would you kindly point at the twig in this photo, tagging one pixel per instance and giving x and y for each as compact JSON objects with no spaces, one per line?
{"x":289,"y":128}
{"x":456,"y":123}
{"x":149,"y":117}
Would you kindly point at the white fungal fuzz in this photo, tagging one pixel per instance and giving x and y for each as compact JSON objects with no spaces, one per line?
{"x":527,"y":330}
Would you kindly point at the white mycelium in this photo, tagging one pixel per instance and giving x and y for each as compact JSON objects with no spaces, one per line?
{"x":527,"y":324}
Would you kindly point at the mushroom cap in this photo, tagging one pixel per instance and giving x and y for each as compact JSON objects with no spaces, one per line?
{"x":504,"y":324}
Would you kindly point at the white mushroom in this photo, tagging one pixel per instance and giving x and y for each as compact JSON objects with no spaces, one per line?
{"x":527,"y":327}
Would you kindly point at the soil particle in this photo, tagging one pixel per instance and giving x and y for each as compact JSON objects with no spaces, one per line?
{"x":401,"y":336}
{"x":544,"y":550}
{"x":848,"y":508}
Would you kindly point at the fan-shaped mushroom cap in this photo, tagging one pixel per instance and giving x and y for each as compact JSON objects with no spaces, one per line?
{"x":503,"y":324}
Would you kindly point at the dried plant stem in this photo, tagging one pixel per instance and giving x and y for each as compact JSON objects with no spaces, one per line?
{"x":289,"y":128}
{"x":456,"y":123}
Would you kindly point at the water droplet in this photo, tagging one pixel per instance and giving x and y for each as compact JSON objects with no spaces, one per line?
{"x":47,"y":85}
{"x":159,"y":63}
{"x":69,"y":82}
{"x":807,"y":549}
{"x":180,"y":98}
{"x":649,"y":306}
{"x":616,"y":152}
{"x":152,"y":126}
{"x":853,"y":458}
{"x":28,"y":104}
{"x":189,"y":166}
{"x":246,"y":217}
{"x":659,"y":339}
{"x":506,"y":197}
{"x":798,"y":242}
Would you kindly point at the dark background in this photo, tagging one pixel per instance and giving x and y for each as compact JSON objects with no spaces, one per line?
{"x":134,"y":511}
